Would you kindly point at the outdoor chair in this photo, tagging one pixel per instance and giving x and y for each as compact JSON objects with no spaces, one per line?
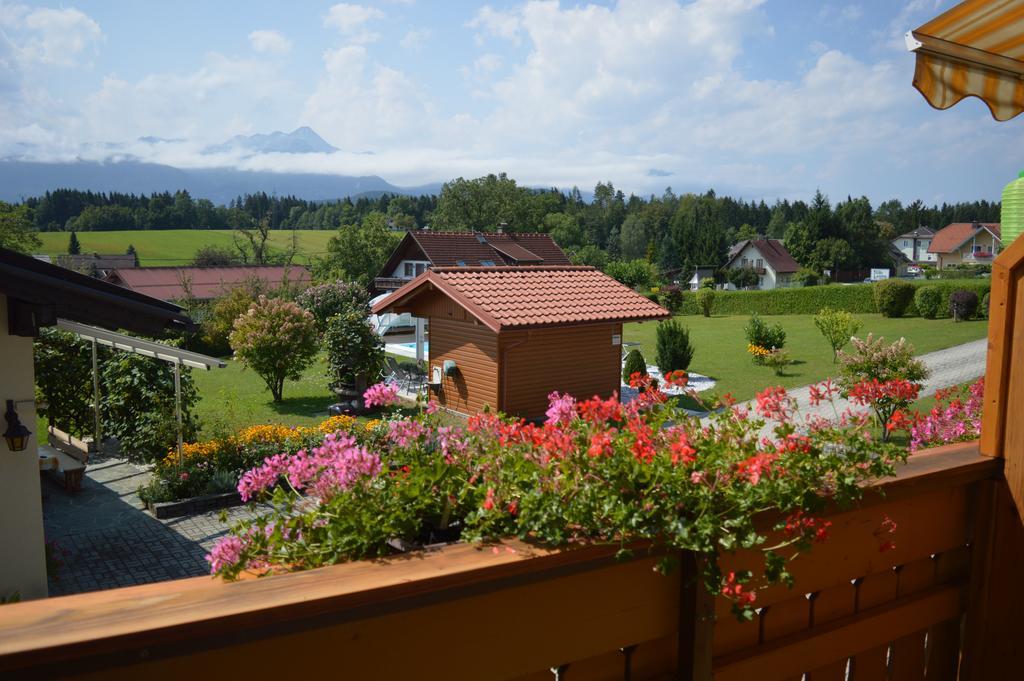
{"x":393,"y":373}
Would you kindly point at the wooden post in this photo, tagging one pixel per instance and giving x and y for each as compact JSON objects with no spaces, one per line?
{"x":1002,"y":430}
{"x":696,"y":620}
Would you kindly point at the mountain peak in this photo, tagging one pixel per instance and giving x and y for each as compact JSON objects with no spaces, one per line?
{"x":302,"y":140}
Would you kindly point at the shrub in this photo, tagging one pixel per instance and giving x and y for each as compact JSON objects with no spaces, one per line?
{"x":672,"y":298}
{"x":706,"y":301}
{"x":807,"y":276}
{"x":955,"y":417}
{"x":928,"y":301}
{"x":218,"y":324}
{"x":138,"y":404}
{"x":635,"y":274}
{"x":764,"y":336}
{"x":355,"y":353}
{"x":743,"y":277}
{"x":778,"y":359}
{"x":334,"y":298}
{"x":983,"y":309}
{"x":893,"y":296}
{"x":277,"y":340}
{"x":837,"y":326}
{"x":963,"y":305}
{"x":63,"y":368}
{"x":674,"y":349}
{"x":634,"y":363}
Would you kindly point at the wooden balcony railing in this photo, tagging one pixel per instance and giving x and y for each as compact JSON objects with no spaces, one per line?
{"x":944,"y":603}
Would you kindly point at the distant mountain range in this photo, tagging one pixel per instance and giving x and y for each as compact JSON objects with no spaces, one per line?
{"x":21,"y":179}
{"x":302,"y":140}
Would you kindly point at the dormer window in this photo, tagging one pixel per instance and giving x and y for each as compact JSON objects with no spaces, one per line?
{"x":486,"y":263}
{"x":409,"y":270}
{"x":460,"y":263}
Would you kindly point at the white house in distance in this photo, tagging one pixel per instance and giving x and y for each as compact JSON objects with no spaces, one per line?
{"x":967,"y":243}
{"x":768,"y":258}
{"x":914,"y":245}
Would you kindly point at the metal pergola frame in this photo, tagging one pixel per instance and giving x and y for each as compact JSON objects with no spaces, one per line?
{"x":119,"y":341}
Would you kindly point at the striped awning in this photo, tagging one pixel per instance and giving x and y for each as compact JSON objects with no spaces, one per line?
{"x":975,"y":49}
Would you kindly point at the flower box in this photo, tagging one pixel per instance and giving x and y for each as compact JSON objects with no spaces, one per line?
{"x":163,"y":510}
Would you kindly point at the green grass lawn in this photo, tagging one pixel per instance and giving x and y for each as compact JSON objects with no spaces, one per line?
{"x":720,"y":347}
{"x":177,"y":246}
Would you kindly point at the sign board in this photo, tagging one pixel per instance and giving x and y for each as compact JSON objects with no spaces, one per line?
{"x":616,"y":339}
{"x":879,"y":273}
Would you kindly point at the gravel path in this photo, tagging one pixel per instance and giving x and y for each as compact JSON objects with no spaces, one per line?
{"x":949,"y":367}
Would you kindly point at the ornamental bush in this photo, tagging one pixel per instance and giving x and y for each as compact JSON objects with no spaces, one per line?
{"x":837,"y":326}
{"x":63,"y":369}
{"x":983,"y":308}
{"x":706,"y":301}
{"x":761,"y":335}
{"x":674,"y":350}
{"x":218,"y":323}
{"x":636,"y":274}
{"x":355,"y":353}
{"x":672,"y":298}
{"x":634,"y":363}
{"x":277,"y":340}
{"x":963,"y":305}
{"x":594,"y":471}
{"x":928,"y":301}
{"x":955,"y":417}
{"x":334,"y":298}
{"x":893,"y":296}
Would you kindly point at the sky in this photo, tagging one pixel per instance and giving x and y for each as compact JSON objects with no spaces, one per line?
{"x":754,"y":98}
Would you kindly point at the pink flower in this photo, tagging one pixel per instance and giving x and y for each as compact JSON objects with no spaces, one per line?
{"x":225,"y":553}
{"x":561,"y":410}
{"x":774,"y":403}
{"x":432,"y":407}
{"x":381,"y":395}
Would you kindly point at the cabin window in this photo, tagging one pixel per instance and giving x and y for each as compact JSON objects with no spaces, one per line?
{"x":409,"y":270}
{"x":460,"y":263}
{"x":487,"y":263}
{"x":420,"y":268}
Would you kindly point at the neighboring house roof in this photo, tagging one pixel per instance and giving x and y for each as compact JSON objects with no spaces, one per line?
{"x":774,"y":253}
{"x":91,"y":262}
{"x":448,"y":249}
{"x":919,"y":233}
{"x":516,"y":297}
{"x":175,"y":283}
{"x":43,"y":292}
{"x":953,"y":236}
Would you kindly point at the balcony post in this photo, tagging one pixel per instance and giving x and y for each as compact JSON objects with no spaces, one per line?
{"x":696,"y":620}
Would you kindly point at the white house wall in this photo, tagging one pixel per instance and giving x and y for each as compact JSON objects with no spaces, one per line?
{"x":768,"y":279}
{"x":22,"y":558}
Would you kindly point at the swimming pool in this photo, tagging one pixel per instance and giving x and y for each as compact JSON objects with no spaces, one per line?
{"x":406,"y":349}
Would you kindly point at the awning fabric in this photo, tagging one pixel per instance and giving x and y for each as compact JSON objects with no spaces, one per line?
{"x":975,"y":49}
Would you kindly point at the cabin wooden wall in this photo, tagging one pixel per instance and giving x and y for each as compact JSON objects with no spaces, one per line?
{"x":474,"y":348}
{"x":580,"y":360}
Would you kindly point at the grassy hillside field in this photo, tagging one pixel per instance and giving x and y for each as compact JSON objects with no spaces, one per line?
{"x":177,"y":246}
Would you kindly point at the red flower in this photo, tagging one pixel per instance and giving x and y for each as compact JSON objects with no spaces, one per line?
{"x":756,"y":466}
{"x":682,"y":452}
{"x":677,"y":378}
{"x":489,"y":500}
{"x":601,"y":443}
{"x":774,"y":403}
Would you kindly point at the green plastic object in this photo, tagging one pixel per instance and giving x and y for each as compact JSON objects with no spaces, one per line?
{"x":1012,"y":215}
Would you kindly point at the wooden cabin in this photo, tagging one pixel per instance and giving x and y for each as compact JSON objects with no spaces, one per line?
{"x":506,"y":337}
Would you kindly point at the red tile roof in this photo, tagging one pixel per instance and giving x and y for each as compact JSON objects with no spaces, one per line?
{"x":169,"y":283}
{"x":954,"y":235}
{"x":449,"y":249}
{"x":514,"y":297}
{"x":773,"y":252}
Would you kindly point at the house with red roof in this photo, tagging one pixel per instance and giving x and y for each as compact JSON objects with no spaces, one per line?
{"x":206,"y":283}
{"x":967,"y":243}
{"x":768,"y":258}
{"x":505,"y":337}
{"x":421,"y":249}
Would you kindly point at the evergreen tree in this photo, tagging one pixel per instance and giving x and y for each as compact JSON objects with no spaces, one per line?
{"x":74,"y":248}
{"x":132,"y":252}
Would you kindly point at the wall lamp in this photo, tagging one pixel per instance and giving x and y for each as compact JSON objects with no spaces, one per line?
{"x":16,"y":433}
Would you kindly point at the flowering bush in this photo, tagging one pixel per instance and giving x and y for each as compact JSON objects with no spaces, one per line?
{"x":778,"y":359}
{"x":277,"y":340}
{"x":955,"y":417}
{"x":334,"y":298}
{"x":595,"y":470}
{"x":883,"y":376}
{"x":889,"y":401}
{"x":759,"y":333}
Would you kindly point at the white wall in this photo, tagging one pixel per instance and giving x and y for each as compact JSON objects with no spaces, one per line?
{"x":399,"y":272}
{"x":752,"y":254}
{"x":22,"y":561}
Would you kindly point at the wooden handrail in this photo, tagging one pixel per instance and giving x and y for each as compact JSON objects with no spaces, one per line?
{"x":124,"y":625}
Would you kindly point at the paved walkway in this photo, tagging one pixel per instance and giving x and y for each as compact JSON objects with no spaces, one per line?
{"x":106,"y":539}
{"x":949,"y":367}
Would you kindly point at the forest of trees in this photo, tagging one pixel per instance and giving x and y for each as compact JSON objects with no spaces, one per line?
{"x":672,"y":232}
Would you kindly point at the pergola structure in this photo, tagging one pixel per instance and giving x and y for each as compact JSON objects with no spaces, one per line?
{"x":119,"y":341}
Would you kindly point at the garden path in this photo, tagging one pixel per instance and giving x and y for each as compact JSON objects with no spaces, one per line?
{"x":105,"y":539}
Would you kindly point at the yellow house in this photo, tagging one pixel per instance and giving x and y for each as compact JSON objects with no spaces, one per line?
{"x":966,"y":243}
{"x":35,"y":294}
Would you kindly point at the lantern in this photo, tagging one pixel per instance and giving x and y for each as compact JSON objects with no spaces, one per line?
{"x":16,"y":434}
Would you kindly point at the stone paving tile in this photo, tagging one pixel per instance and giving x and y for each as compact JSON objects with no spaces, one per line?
{"x":106,"y":538}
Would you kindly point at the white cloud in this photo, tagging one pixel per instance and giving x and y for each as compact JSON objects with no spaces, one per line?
{"x":350,"y":20}
{"x":489,"y":21}
{"x":269,"y":41}
{"x":483,"y":67}
{"x":415,"y":40}
{"x":53,"y":37}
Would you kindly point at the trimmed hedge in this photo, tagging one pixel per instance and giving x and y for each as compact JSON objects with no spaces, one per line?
{"x":893,"y":296}
{"x":928,"y":301}
{"x":855,"y":298}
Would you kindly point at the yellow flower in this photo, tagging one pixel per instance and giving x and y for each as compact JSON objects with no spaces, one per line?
{"x":371,"y":424}
{"x":266,"y":434}
{"x":337,"y":423}
{"x":757,"y":350}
